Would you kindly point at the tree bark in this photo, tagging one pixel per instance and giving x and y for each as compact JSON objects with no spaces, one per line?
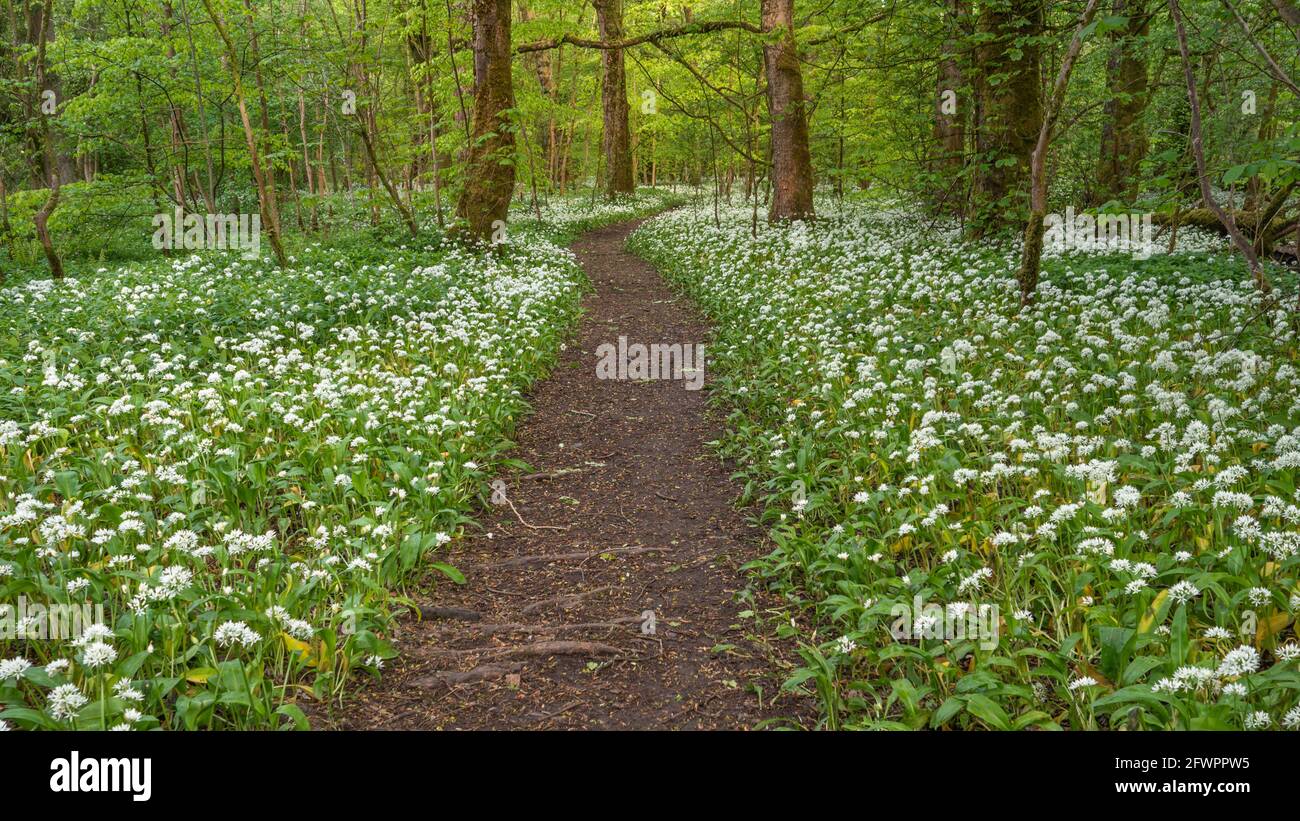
{"x":1123,"y":134}
{"x":490,"y":171}
{"x":616,"y":140}
{"x":1011,"y":111}
{"x":949,"y":128}
{"x":792,"y":181}
{"x":51,"y":165}
{"x":1288,"y":12}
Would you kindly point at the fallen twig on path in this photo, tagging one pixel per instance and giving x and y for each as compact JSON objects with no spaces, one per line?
{"x":520,"y":517}
{"x":559,"y":557}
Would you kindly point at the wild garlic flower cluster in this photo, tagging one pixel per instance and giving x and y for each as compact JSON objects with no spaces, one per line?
{"x":212,"y":471}
{"x":1113,"y":468}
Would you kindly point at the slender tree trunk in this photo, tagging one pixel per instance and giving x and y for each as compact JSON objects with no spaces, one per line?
{"x":51,"y":165}
{"x":210,"y":190}
{"x":1255,"y":185}
{"x":792,"y":180}
{"x":366,"y":127}
{"x":265,"y":195}
{"x":308,"y":178}
{"x":544,"y":65}
{"x":41,"y":33}
{"x":254,"y":52}
{"x":1226,"y":219}
{"x":180,"y":143}
{"x":435,"y":162}
{"x":6,"y":229}
{"x":616,"y":139}
{"x":403,"y":211}
{"x":490,"y":172}
{"x":1032,"y":250}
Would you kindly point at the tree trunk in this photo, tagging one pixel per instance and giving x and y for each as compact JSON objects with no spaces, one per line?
{"x":949,"y":129}
{"x":50,"y":162}
{"x":210,"y":190}
{"x":1032,"y":250}
{"x":6,"y":229}
{"x":367,"y":127}
{"x":1255,"y":185}
{"x":254,"y":53}
{"x":792,"y":195}
{"x":490,"y":171}
{"x":1198,"y":152}
{"x":616,"y":140}
{"x":265,"y":196}
{"x":1289,"y":13}
{"x":407,"y":217}
{"x":1123,"y":134}
{"x":308,"y":179}
{"x":545,"y":66}
{"x":1011,"y":111}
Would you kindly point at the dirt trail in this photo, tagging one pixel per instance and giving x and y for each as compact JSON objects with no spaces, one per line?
{"x":631,"y":514}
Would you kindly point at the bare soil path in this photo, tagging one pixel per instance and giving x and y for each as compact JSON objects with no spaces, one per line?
{"x":627,"y":514}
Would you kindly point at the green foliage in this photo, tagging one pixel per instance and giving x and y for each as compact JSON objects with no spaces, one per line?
{"x":1079,"y":515}
{"x":241,"y":466}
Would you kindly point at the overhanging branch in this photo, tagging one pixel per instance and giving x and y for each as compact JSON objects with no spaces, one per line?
{"x":651,"y":37}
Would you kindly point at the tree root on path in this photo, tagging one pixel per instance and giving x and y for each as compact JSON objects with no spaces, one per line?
{"x":548,"y":716}
{"x":559,"y":648}
{"x":484,"y":672}
{"x":563,"y":601}
{"x":558,"y":472}
{"x":457,"y":613}
{"x":535,"y":650}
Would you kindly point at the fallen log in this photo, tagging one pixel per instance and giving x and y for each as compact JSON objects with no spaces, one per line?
{"x":1204,"y":218}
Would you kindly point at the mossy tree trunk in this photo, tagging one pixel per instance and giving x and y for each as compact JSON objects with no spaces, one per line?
{"x":1011,"y":111}
{"x":490,"y":170}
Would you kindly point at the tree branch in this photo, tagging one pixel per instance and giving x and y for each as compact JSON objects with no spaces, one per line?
{"x":651,"y":37}
{"x":1198,"y":151}
{"x":1272,"y":64}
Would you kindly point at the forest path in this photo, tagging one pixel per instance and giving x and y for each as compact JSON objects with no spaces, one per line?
{"x":631,"y":514}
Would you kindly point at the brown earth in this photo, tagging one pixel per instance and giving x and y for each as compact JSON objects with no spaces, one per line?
{"x":626,"y":511}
